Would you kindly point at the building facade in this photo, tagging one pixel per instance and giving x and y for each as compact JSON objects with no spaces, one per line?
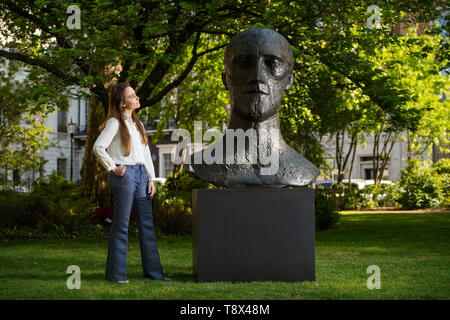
{"x":363,"y":168}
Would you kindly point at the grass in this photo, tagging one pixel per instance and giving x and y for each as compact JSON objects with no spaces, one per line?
{"x":412,"y":251}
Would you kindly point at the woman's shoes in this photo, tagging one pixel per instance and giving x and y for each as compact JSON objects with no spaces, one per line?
{"x":122,"y":281}
{"x":163,"y":279}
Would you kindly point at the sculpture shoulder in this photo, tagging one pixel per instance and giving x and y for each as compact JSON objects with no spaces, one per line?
{"x":289,"y":168}
{"x":295,"y":168}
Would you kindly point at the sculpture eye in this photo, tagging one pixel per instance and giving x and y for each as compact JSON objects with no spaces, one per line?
{"x":272,"y":63}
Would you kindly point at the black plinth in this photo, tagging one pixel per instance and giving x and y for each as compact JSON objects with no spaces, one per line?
{"x":253,"y":234}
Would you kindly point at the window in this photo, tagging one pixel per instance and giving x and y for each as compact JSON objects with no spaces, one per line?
{"x":167,"y":164}
{"x":16,"y":176}
{"x":370,"y":158}
{"x":62,"y":168}
{"x":62,"y":121}
{"x":366,"y":158}
{"x":368,"y":174}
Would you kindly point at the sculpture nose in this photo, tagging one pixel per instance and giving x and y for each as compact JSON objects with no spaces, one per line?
{"x":259,"y":74}
{"x":257,"y":78}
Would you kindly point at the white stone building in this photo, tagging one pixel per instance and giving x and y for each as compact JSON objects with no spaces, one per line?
{"x":363,"y":166}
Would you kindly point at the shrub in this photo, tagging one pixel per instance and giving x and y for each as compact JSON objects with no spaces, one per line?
{"x":442,"y":170}
{"x":54,"y":208}
{"x":55,"y":205}
{"x":12,"y":205}
{"x":172,"y":203}
{"x":346,"y":197}
{"x":172,"y":216}
{"x":383,"y":195}
{"x":420,"y":186}
{"x":104,"y":216}
{"x":442,"y":167}
{"x":326,"y":212}
{"x":182,"y":186}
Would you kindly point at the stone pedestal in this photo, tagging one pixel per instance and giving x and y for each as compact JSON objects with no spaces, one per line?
{"x":253,"y":234}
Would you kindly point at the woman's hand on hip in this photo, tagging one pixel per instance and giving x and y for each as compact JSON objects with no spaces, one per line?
{"x":119,"y":170}
{"x":151,"y":188}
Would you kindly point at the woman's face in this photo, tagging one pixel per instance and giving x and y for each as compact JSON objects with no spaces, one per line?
{"x":130,"y":99}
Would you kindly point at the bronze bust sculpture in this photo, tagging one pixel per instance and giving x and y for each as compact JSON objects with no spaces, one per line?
{"x":258,"y":69}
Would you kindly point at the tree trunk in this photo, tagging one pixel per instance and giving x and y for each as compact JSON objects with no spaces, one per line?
{"x":352,"y":163}
{"x":94,"y":177}
{"x":94,"y":180}
{"x":339,"y":156}
{"x":386,"y":155}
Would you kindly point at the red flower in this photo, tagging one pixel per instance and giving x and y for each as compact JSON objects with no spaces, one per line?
{"x":101,"y":214}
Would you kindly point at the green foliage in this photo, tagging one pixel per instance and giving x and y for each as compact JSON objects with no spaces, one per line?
{"x":371,"y":196}
{"x":442,"y":169}
{"x":343,"y":70}
{"x":181,"y":187}
{"x":172,"y":204}
{"x":200,"y":97}
{"x":172,"y":216}
{"x":442,"y":166}
{"x":383,"y":195}
{"x":421,"y":186}
{"x":54,"y":208}
{"x":23,"y":133}
{"x":346,"y":197}
{"x":326,"y":212}
{"x":414,"y":65}
{"x":12,"y":204}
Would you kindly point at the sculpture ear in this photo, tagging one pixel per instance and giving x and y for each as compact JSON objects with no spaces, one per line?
{"x":224,"y":80}
{"x":291,"y":82}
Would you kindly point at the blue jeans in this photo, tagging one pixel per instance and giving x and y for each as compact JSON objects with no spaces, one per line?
{"x":130,"y":193}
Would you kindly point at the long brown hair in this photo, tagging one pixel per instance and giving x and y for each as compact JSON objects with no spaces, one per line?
{"x":116,"y":111}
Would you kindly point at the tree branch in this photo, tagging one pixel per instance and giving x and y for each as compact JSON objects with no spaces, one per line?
{"x":183,"y":75}
{"x":217,"y":32}
{"x":62,"y":42}
{"x":28,"y":16}
{"x":40,"y":63}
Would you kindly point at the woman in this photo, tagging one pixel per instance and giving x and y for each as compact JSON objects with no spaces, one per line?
{"x":122,"y":148}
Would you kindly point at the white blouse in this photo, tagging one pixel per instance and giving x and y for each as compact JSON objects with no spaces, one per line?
{"x":108,"y":150}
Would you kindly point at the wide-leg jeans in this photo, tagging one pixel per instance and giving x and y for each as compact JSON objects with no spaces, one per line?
{"x":130,"y":193}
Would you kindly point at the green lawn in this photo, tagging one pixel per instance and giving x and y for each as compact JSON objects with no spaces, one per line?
{"x":412,"y":251}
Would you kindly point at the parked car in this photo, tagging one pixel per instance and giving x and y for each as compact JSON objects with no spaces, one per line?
{"x":325,"y":183}
{"x":22,"y":189}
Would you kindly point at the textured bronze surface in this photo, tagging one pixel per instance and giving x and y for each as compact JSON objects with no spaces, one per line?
{"x":258,"y":69}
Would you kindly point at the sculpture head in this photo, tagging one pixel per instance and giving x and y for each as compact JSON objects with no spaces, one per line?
{"x":258,"y":69}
